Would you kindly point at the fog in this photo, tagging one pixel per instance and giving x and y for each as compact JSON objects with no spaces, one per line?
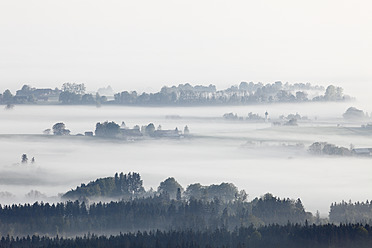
{"x":257,"y":157}
{"x":143,"y":45}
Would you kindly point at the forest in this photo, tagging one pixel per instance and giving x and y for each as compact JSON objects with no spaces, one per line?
{"x":349,"y":212}
{"x":132,"y":208}
{"x":153,"y":213}
{"x":129,"y":186}
{"x":285,"y":236}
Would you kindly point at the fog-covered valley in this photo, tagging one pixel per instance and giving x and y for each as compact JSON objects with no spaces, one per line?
{"x":255,"y":156}
{"x":185,"y":124}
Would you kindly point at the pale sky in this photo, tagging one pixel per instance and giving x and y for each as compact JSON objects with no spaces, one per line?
{"x":143,"y":45}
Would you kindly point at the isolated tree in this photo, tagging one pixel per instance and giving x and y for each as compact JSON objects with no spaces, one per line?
{"x":24,"y":158}
{"x":60,"y":129}
{"x":353,"y":113}
{"x":150,"y":128}
{"x":186,"y":130}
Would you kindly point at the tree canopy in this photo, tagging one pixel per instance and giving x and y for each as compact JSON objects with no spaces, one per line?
{"x":170,"y":186}
{"x":353,"y":113}
{"x":60,"y":129}
{"x":107,"y":129}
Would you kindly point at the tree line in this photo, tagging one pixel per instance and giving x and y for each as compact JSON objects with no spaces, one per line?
{"x":120,"y":186}
{"x":144,"y":214}
{"x":130,"y":186}
{"x":286,"y":236}
{"x":348,"y":212}
{"x":183,"y":94}
{"x":245,"y":93}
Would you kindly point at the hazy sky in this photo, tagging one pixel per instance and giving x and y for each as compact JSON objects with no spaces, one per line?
{"x":142,"y":45}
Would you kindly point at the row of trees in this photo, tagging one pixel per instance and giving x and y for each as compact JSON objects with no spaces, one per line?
{"x":73,"y":93}
{"x":24,"y":159}
{"x":244,"y":94}
{"x":183,"y":94}
{"x":120,"y":186}
{"x":320,"y":148}
{"x":112,"y":130}
{"x":288,"y":236}
{"x":267,"y":208}
{"x":128,"y":186}
{"x":151,"y":213}
{"x":67,"y":97}
{"x":358,"y":212}
{"x":70,"y":93}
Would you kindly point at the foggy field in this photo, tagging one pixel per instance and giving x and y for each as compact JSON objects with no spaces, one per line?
{"x":256,"y":157}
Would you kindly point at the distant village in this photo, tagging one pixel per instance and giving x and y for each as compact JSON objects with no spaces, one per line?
{"x":113,"y":130}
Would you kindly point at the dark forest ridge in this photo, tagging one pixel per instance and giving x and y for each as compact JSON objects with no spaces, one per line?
{"x":170,"y":207}
{"x":181,"y":95}
{"x":288,"y":236}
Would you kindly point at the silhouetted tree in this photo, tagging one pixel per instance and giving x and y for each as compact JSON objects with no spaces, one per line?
{"x":60,"y":129}
{"x":353,"y":113}
{"x":24,"y":158}
{"x":107,"y":129}
{"x":186,"y":130}
{"x":7,"y":96}
{"x":178,"y":197}
{"x":150,"y":129}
